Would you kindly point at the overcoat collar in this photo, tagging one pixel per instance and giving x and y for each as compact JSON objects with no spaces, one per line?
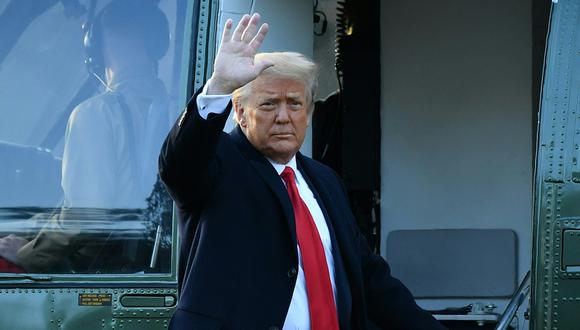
{"x":268,"y":174}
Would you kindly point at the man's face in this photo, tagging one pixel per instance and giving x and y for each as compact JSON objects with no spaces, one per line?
{"x":275,"y":116}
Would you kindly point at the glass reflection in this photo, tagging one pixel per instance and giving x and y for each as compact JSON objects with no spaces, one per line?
{"x":80,"y":193}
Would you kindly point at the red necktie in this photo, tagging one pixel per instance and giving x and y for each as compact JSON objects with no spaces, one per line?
{"x":318,"y":287}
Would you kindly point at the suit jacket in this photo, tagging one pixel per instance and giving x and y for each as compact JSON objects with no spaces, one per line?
{"x":238,"y":259}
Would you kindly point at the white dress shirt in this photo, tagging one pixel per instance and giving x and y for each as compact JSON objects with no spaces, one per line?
{"x":298,"y":317}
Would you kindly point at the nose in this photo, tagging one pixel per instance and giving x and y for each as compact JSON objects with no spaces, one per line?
{"x":282,"y":115}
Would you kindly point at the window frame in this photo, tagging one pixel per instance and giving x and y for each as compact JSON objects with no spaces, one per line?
{"x":196,"y":58}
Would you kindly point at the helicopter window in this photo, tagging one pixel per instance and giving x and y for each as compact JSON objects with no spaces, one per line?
{"x":88,"y":91}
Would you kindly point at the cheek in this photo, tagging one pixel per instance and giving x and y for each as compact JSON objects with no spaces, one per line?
{"x":260,"y":125}
{"x":301,"y":122}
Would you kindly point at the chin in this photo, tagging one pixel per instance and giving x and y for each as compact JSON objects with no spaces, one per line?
{"x":285,"y":152}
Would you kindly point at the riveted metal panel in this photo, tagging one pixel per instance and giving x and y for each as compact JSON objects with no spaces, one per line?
{"x":207,"y":27}
{"x":571,"y":251}
{"x":556,"y":280}
{"x":544,"y":249}
{"x":62,"y":309}
{"x":560,"y":127}
{"x":119,"y":311}
{"x":19,"y":304}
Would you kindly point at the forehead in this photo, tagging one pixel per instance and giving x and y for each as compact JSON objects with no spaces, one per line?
{"x":278,"y":86}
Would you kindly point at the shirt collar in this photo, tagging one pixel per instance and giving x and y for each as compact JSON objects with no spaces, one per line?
{"x":280,"y":167}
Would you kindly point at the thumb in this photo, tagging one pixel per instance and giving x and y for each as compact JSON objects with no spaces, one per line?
{"x":262,"y":65}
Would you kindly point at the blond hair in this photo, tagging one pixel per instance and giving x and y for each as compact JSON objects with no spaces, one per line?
{"x":288,"y":65}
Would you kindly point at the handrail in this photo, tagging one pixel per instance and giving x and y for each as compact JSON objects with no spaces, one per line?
{"x":515,"y":303}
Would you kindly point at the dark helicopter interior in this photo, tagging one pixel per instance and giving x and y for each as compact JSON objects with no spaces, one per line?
{"x":438,"y":146}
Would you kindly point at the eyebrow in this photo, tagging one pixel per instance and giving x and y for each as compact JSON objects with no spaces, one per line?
{"x":275,"y":96}
{"x":267,"y":92}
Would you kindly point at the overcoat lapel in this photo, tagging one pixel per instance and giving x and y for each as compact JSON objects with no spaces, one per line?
{"x":319,"y":189}
{"x":268,"y":174}
{"x":326,"y":198}
{"x":344,"y":239}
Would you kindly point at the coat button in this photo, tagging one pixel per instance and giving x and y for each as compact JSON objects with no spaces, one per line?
{"x":292,"y":272}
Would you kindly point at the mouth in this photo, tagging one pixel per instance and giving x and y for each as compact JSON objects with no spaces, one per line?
{"x":283,"y":135}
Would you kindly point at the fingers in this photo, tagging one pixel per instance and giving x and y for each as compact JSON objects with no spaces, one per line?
{"x":252,"y":28}
{"x":242,"y":25}
{"x":227,"y":34}
{"x":246,"y":30}
{"x":259,"y":38}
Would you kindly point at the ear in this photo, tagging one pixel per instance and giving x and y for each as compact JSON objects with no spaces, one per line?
{"x":240,"y":114}
{"x":310,"y":112}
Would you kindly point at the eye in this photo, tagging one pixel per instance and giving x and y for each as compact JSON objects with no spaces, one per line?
{"x":295,"y":104}
{"x":267,"y":105}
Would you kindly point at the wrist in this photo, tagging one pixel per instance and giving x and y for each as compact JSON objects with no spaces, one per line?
{"x":215,"y":86}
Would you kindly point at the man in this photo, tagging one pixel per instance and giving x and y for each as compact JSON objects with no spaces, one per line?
{"x":268,"y":239}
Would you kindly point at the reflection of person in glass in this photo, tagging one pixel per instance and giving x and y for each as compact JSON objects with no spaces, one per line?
{"x":112,"y":139}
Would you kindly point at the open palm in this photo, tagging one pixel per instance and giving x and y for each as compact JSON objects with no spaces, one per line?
{"x":234,"y":64}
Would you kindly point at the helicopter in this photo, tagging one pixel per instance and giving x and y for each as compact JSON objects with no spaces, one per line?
{"x":452,"y":125}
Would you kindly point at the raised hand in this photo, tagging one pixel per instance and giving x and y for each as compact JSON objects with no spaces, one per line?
{"x":234,"y":64}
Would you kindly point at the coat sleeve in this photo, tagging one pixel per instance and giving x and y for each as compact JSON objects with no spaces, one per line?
{"x":188,"y":155}
{"x":389,"y":304}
